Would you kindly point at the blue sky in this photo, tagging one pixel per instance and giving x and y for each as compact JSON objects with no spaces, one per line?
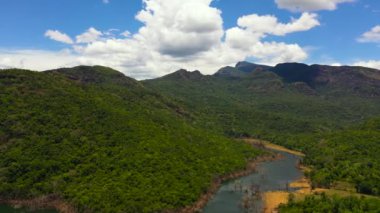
{"x":204,"y":34}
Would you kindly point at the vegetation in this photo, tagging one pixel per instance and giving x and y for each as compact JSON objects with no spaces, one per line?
{"x":315,"y":109}
{"x":261,"y":104}
{"x":349,"y":156}
{"x":104,"y":143}
{"x":332,"y":204}
{"x":107,"y":143}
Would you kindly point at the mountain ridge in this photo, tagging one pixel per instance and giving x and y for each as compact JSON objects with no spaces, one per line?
{"x":105,"y":143}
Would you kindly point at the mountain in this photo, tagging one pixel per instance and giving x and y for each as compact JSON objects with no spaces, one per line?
{"x":241,"y":69}
{"x":287,"y":99}
{"x":104,"y":142}
{"x":364,"y":81}
{"x":249,"y":67}
{"x":184,"y":75}
{"x":320,"y":77}
{"x":316,"y":109}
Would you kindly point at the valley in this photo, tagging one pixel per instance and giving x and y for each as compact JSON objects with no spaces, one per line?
{"x":199,"y":106}
{"x":104,"y":142}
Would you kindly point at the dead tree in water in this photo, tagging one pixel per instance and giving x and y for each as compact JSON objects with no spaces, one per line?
{"x":238,"y":186}
{"x":251,"y":197}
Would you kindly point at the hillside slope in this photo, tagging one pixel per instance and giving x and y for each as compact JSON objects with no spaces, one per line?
{"x":285,"y":100}
{"x":315,"y":109}
{"x":104,"y":143}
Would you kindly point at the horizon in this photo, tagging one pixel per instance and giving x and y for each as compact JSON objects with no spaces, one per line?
{"x":151,"y":38}
{"x":187,"y":70}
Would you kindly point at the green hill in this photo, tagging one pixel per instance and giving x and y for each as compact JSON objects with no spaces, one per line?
{"x":272,"y":102}
{"x":104,"y":143}
{"x":108,"y":143}
{"x":315,"y":109}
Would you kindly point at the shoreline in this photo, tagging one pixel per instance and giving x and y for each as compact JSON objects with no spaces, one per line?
{"x":56,"y":203}
{"x":271,"y":146}
{"x":216,"y":184}
{"x":273,"y":199}
{"x":50,"y":202}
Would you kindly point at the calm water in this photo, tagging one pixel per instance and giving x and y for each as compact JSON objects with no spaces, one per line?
{"x":270,"y":176}
{"x":8,"y":209}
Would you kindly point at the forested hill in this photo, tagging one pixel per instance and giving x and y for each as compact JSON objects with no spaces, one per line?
{"x":104,"y":143}
{"x":108,"y":143}
{"x":320,"y":110}
{"x":271,"y":102}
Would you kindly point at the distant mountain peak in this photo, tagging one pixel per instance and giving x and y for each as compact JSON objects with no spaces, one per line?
{"x":185,"y":75}
{"x":229,"y":71}
{"x":296,"y":72}
{"x":246,"y":66}
{"x":95,"y":74}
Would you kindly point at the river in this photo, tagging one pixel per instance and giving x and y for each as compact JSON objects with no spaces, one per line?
{"x":270,"y":176}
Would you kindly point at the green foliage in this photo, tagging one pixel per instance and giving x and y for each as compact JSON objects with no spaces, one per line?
{"x":262,"y":105}
{"x":320,"y":119}
{"x":323,"y":204}
{"x":107,"y":143}
{"x":350,"y":155}
{"x":104,"y":143}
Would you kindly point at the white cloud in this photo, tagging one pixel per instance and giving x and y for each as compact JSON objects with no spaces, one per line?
{"x":246,"y":38}
{"x":89,"y":36}
{"x":126,"y":33}
{"x":371,"y":63}
{"x":174,"y":37}
{"x":58,"y":36}
{"x":173,"y":29}
{"x":37,"y":59}
{"x":371,"y":36}
{"x":309,"y":5}
{"x":106,"y":1}
{"x":269,"y":24}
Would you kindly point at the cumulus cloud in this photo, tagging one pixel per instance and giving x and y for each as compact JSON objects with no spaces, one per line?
{"x":58,"y":36}
{"x":173,"y":29}
{"x":309,"y":5}
{"x":371,"y":63}
{"x":371,"y":36}
{"x":37,"y":59}
{"x":89,"y":36}
{"x":174,"y":36}
{"x":247,"y":37}
{"x":269,"y":24}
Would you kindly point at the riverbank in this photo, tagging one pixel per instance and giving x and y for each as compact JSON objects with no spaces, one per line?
{"x":272,"y":200}
{"x":54,"y":202}
{"x":268,"y":145}
{"x":216,"y":184}
{"x":269,"y":176}
{"x":44,"y":202}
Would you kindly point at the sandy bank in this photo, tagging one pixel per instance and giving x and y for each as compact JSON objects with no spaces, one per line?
{"x":268,"y":145}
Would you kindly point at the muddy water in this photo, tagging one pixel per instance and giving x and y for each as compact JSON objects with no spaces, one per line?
{"x":270,"y":176}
